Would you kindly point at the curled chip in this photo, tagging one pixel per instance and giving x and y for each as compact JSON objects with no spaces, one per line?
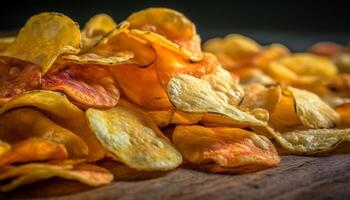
{"x":34,"y":149}
{"x":259,"y":96}
{"x":62,"y":112}
{"x":168,"y":25}
{"x":16,"y":77}
{"x":85,"y":173}
{"x":141,"y":86}
{"x":5,"y":42}
{"x":95,"y":59}
{"x":328,"y":49}
{"x":225,"y":149}
{"x":301,"y":64}
{"x":133,"y":138}
{"x":169,"y":64}
{"x":89,"y":85}
{"x":311,"y":110}
{"x":312,"y":141}
{"x":44,"y":37}
{"x":194,"y":95}
{"x":95,"y":29}
{"x":120,"y":41}
{"x":25,"y":123}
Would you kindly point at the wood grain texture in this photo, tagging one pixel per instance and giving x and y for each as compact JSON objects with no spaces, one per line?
{"x":296,"y":177}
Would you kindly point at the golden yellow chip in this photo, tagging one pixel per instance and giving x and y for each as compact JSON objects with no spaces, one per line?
{"x":168,"y":28}
{"x":25,"y":123}
{"x":133,"y":138}
{"x":5,"y":42}
{"x":270,"y":54}
{"x":312,"y":141}
{"x":62,"y":112}
{"x":95,"y":59}
{"x":34,"y":149}
{"x":43,"y":38}
{"x":228,"y":149}
{"x":194,"y":95}
{"x":95,"y":29}
{"x":85,"y":173}
{"x":311,"y":110}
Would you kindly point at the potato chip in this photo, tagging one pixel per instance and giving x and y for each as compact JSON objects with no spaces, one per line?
{"x":89,"y":85}
{"x":312,"y":111}
{"x":16,"y":77}
{"x":312,"y":141}
{"x":190,"y":94}
{"x":35,"y":149}
{"x":269,"y":54}
{"x":185,"y":118}
{"x":122,"y":41}
{"x":95,"y":59}
{"x":141,"y":86}
{"x":95,"y":29}
{"x":133,"y":138}
{"x":62,"y":112}
{"x":342,"y":61}
{"x":163,"y":25}
{"x":24,"y":123}
{"x":344,"y":113}
{"x":230,"y":149}
{"x":328,"y":49}
{"x":5,"y":42}
{"x":44,"y":37}
{"x":85,"y":173}
{"x":259,"y":96}
{"x":304,"y":64}
{"x":252,"y":75}
{"x":169,"y":64}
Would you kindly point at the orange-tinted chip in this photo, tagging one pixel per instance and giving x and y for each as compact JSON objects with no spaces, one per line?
{"x":34,"y":150}
{"x":328,"y":49}
{"x":141,"y":85}
{"x":88,"y":85}
{"x":169,"y":64}
{"x":170,"y":24}
{"x":225,"y":149}
{"x":16,"y":77}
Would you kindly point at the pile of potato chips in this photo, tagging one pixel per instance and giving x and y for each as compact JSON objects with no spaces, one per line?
{"x":112,"y":101}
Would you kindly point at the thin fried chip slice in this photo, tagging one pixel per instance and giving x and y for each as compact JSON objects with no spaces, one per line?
{"x":62,"y":112}
{"x":120,"y":40}
{"x":229,"y":149}
{"x":194,"y":95}
{"x":94,"y":30}
{"x":92,"y":58}
{"x":85,"y":173}
{"x":25,"y":123}
{"x":311,"y":110}
{"x":17,"y":76}
{"x":34,"y":149}
{"x":44,"y":37}
{"x":141,"y":86}
{"x":89,"y":85}
{"x":133,"y":138}
{"x":312,"y":141}
{"x":170,"y":24}
{"x":5,"y":42}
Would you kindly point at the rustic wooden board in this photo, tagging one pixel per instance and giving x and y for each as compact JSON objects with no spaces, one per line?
{"x":296,"y":177}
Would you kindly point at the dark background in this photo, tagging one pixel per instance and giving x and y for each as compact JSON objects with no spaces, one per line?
{"x":297,"y":24}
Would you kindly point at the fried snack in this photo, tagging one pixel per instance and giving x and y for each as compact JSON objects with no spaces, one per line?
{"x":5,"y":42}
{"x":344,"y":113}
{"x":95,"y":59}
{"x":133,"y":138}
{"x":89,"y":85}
{"x":327,"y":49}
{"x":88,"y":174}
{"x":16,"y":77}
{"x":95,"y":29}
{"x":312,"y":141}
{"x":120,"y":41}
{"x":141,"y":86}
{"x":25,"y":123}
{"x":62,"y":112}
{"x":225,"y":149}
{"x":193,"y":95}
{"x":4,"y":147}
{"x":34,"y":149}
{"x":269,"y":54}
{"x":168,"y":28}
{"x":43,"y":38}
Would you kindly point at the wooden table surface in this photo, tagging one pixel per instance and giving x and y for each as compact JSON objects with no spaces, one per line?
{"x":297,"y":177}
